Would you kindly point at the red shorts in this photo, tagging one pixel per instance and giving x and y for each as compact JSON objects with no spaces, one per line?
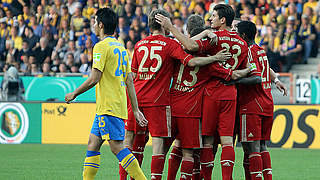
{"x":131,"y":123}
{"x":218,"y":116}
{"x":159,"y":121}
{"x":189,"y":132}
{"x":254,"y":127}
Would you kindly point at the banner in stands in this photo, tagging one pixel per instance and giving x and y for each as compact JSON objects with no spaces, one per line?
{"x":296,"y":127}
{"x":67,"y":123}
{"x":315,"y":91}
{"x":54,"y":88}
{"x":20,"y":123}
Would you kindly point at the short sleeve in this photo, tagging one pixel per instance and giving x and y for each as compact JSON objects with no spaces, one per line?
{"x":254,"y":64}
{"x":99,"y":57}
{"x":178,"y":53}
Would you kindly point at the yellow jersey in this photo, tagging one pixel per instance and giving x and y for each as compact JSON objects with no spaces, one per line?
{"x":112,"y":59}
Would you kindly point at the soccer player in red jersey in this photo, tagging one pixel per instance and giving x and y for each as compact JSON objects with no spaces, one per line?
{"x":255,"y":105}
{"x":186,"y":101}
{"x":219,"y":101}
{"x":153,"y":63}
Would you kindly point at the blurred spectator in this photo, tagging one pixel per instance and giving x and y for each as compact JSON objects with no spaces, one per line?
{"x":17,"y":40}
{"x":142,"y":18}
{"x":178,"y":23}
{"x":59,"y":50}
{"x":263,"y":5}
{"x":35,"y":26}
{"x":70,"y":60}
{"x":74,"y":68}
{"x":88,"y":49}
{"x":87,"y":33}
{"x":40,"y":14}
{"x":311,"y":4}
{"x":12,"y":88}
{"x":49,"y":31}
{"x":184,"y":13}
{"x":9,"y":17}
{"x":33,"y":40}
{"x":54,"y":17}
{"x":308,"y":34}
{"x":291,"y":46}
{"x":65,"y":15}
{"x":55,"y":65}
{"x":132,"y":36}
{"x":77,"y":21}
{"x":130,"y":48}
{"x":129,"y":13}
{"x":72,"y":49}
{"x":85,"y":67}
{"x":25,"y":62}
{"x":88,"y":11}
{"x":21,"y":25}
{"x":117,"y":7}
{"x":43,"y":52}
{"x":34,"y":69}
{"x":73,"y":6}
{"x":273,"y":57}
{"x":46,"y":69}
{"x":63,"y":68}
{"x":136,"y":25}
{"x":26,"y":14}
{"x":122,"y":27}
{"x":65,"y":32}
{"x":4,"y":34}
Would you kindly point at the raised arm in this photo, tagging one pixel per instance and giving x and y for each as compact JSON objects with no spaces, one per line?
{"x":222,"y":55}
{"x":189,"y":44}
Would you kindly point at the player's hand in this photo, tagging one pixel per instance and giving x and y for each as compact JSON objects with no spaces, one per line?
{"x":280,"y":86}
{"x":141,"y":120}
{"x":240,"y":73}
{"x":69,"y":97}
{"x":164,"y":21}
{"x":212,"y":36}
{"x":223,"y":55}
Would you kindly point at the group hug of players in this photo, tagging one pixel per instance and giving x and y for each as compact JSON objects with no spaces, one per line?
{"x":221,"y":87}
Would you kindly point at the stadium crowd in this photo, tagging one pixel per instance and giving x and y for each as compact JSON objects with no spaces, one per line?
{"x":50,"y":36}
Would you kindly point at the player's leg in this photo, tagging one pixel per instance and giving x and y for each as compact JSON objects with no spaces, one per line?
{"x":175,"y":158}
{"x":128,"y":141}
{"x":160,"y":127}
{"x":187,"y":164}
{"x":114,"y":133}
{"x":266,"y":161}
{"x":207,"y":157}
{"x":127,"y":159}
{"x":196,"y":166}
{"x":92,"y":160}
{"x":227,"y":114}
{"x":250,"y":125}
{"x":267,"y":122}
{"x":140,"y":140}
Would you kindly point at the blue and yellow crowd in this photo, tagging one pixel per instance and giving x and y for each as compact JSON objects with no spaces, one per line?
{"x":51,"y":36}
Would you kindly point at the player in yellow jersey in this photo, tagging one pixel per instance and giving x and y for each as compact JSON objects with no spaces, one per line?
{"x":111,"y":74}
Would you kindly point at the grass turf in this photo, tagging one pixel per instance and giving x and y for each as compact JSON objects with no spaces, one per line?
{"x":64,"y":162}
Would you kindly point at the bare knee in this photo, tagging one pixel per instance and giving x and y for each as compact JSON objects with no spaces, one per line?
{"x":94,"y":143}
{"x":116,"y":146}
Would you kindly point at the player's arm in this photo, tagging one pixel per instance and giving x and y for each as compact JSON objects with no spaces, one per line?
{"x":280,"y":86}
{"x":189,"y":44}
{"x":249,"y":80}
{"x":222,"y":55}
{"x":92,"y":80}
{"x":134,"y":102}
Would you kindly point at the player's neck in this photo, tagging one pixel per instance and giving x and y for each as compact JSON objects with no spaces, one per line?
{"x":157,"y":32}
{"x":103,"y":36}
{"x":250,"y":43}
{"x":224,"y":27}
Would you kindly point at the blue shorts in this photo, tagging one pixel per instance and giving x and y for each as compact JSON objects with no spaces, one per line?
{"x":108,"y":127}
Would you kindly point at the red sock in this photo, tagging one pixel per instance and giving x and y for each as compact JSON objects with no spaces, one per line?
{"x":196,"y":165}
{"x":207,"y":162}
{"x":123,"y":173}
{"x":255,"y":166}
{"x":138,"y":147}
{"x":266,"y":161}
{"x":186,"y":169}
{"x":157,"y":164}
{"x":174,"y":162}
{"x":246,"y":166}
{"x":227,"y":162}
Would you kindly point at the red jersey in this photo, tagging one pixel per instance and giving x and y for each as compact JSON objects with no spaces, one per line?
{"x":153,"y":61}
{"x":257,"y":98}
{"x":187,"y":88}
{"x":238,"y":48}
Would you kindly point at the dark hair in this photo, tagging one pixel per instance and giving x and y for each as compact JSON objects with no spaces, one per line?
{"x":152,"y":18}
{"x":226,"y":11}
{"x":194,"y":21}
{"x":109,"y":20}
{"x":247,"y":28}
{"x":196,"y":31}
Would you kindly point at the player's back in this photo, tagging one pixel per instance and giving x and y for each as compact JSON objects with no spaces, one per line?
{"x":257,"y":98}
{"x":153,"y":62}
{"x":111,"y":58}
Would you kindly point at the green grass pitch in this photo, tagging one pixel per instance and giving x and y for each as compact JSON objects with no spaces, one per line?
{"x":64,"y":162}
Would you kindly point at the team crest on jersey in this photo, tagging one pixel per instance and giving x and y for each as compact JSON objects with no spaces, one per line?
{"x":96,"y":57}
{"x":14,"y":123}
